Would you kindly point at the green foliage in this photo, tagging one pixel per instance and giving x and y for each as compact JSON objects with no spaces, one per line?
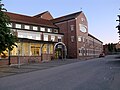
{"x":111,"y":47}
{"x":7,"y":39}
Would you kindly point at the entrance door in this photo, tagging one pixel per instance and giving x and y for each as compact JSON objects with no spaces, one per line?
{"x":58,"y":53}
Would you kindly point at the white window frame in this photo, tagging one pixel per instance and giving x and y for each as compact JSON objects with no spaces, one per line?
{"x":52,"y":38}
{"x":35,"y":28}
{"x":80,"y":51}
{"x":26,"y":26}
{"x":45,"y":37}
{"x":79,"y":38}
{"x":49,"y":30}
{"x":60,"y":38}
{"x":42,"y":29}
{"x":71,"y":27}
{"x":83,"y":39}
{"x":18,"y":25}
{"x":9,"y":25}
{"x":55,"y":30}
{"x":72,"y":38}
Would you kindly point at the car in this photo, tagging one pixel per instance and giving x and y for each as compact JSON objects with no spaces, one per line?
{"x":101,"y":55}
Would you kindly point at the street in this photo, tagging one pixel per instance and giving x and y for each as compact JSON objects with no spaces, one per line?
{"x":94,"y":74}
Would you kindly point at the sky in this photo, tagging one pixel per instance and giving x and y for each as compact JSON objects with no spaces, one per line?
{"x":101,"y":14}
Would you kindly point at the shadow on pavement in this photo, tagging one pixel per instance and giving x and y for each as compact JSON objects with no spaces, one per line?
{"x":115,"y":61}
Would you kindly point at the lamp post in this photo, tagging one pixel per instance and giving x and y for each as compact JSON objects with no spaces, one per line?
{"x":9,"y":63}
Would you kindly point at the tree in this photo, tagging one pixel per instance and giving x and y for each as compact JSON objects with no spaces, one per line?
{"x":109,"y":47}
{"x":7,"y":38}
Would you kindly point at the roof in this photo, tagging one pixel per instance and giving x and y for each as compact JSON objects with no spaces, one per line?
{"x":30,"y":20}
{"x":45,"y":15}
{"x":39,"y":15}
{"x":94,"y":37}
{"x":66,"y":17}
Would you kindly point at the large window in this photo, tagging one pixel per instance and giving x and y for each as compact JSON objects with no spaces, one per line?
{"x":35,"y":49}
{"x":14,"y":51}
{"x":51,"y":48}
{"x":44,"y":49}
{"x":26,"y":49}
{"x":45,"y":37}
{"x":20,"y":48}
{"x":5,"y":55}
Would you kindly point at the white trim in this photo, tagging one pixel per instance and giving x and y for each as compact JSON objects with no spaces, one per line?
{"x":53,"y":34}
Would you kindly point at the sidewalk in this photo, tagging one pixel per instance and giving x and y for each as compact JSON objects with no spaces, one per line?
{"x":25,"y":68}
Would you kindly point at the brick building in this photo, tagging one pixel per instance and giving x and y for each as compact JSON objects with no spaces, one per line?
{"x":76,"y":37}
{"x":41,"y":37}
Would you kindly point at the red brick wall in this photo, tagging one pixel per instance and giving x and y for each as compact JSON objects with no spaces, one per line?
{"x":65,"y":27}
{"x":79,"y":33}
{"x":26,"y":59}
{"x":47,"y":16}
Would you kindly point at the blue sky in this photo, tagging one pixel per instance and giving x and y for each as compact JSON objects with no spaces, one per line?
{"x":101,"y":14}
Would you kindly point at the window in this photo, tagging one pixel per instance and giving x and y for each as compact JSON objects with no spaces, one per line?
{"x":35,"y":49}
{"x":45,"y":48}
{"x":49,"y":30}
{"x":14,"y":51}
{"x":82,"y":28}
{"x":19,"y":35}
{"x":83,"y":39}
{"x":55,"y":30}
{"x":72,"y":27}
{"x":42,"y":29}
{"x":59,"y":39}
{"x":18,"y":25}
{"x":9,"y":25}
{"x":20,"y":48}
{"x":79,"y":38}
{"x":25,"y":49}
{"x":53,"y":38}
{"x":45,"y":37}
{"x":35,"y":28}
{"x":72,"y":38}
{"x":38,"y":38}
{"x":30,"y":37}
{"x":80,"y":52}
{"x":51,"y":49}
{"x":27,"y":27}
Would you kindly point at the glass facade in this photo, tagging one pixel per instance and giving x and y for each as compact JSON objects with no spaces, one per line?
{"x":31,"y":49}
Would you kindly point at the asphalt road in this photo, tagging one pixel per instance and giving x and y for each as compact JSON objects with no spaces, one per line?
{"x":95,"y":74}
